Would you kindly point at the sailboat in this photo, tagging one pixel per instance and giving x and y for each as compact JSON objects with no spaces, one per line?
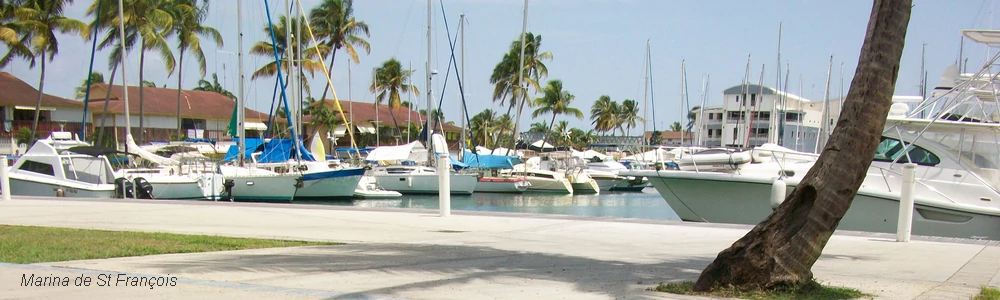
{"x":246,"y":182}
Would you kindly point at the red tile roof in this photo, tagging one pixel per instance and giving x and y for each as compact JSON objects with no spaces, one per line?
{"x":365,"y":112}
{"x":163,"y":102}
{"x":14,"y":91}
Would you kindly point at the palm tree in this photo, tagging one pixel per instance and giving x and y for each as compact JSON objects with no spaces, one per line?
{"x":605,"y":114}
{"x":188,"y":17}
{"x":13,"y":16}
{"x":147,"y":22}
{"x":629,"y":115}
{"x":557,"y":101}
{"x":676,"y":127}
{"x":265,"y":49}
{"x":333,"y":22}
{"x":539,"y":127}
{"x":214,"y":86}
{"x":482,"y":126}
{"x":94,"y":78}
{"x":44,"y":43}
{"x":692,"y":116}
{"x":391,"y":81}
{"x":505,"y":74}
{"x":781,"y":250}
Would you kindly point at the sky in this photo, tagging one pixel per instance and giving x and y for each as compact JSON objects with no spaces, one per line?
{"x":598,"y":49}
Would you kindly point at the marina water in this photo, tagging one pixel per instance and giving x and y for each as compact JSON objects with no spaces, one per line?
{"x":633,"y":205}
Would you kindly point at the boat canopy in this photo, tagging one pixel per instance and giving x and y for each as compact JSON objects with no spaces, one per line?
{"x":490,"y":161}
{"x":275,"y":150}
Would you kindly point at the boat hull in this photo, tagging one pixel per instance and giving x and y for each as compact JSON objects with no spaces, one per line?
{"x":546,"y":185}
{"x":586,"y":187}
{"x":265,"y":188}
{"x":329,"y":184}
{"x":461,"y":184}
{"x":724,"y":198}
{"x":200,"y":187}
{"x":630,"y":185}
{"x":501,"y":185}
{"x":605,"y":184}
{"x":28,"y":187}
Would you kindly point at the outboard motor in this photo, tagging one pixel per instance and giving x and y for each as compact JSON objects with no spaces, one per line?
{"x":143,"y":188}
{"x":228,"y":188}
{"x":123,"y":188}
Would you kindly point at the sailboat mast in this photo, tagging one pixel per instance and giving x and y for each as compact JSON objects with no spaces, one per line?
{"x":826,"y":110}
{"x":350,"y":95}
{"x":684,"y":113}
{"x":427,"y":127}
{"x":701,"y":109}
{"x":772,"y":131}
{"x":239,"y":99}
{"x":409,"y":107}
{"x":520,"y":76}
{"x":121,"y":28}
{"x":645,"y":96}
{"x":463,"y":113}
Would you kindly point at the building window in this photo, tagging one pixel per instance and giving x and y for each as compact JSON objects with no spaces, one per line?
{"x":737,"y":98}
{"x":711,"y":116}
{"x":37,"y":167}
{"x":753,"y":99}
{"x":192,"y":123}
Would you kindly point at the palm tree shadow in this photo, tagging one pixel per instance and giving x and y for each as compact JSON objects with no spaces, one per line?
{"x":407,"y":267}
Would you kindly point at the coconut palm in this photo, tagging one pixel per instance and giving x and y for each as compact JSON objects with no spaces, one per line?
{"x":781,"y":250}
{"x":333,"y":22}
{"x":605,"y":114}
{"x":94,"y":78}
{"x":308,"y":61}
{"x":188,"y":17}
{"x":148,"y":23}
{"x":44,"y":42}
{"x":676,"y":127}
{"x":556,"y":101}
{"x":214,"y":86}
{"x":391,"y":81}
{"x":505,"y":77}
{"x":539,"y":127}
{"x":561,"y":132}
{"x":692,"y":116}
{"x":13,"y":16}
{"x":628,"y":115}
{"x":482,"y":126}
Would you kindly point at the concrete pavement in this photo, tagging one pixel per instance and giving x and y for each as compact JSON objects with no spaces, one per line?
{"x":413,"y":254}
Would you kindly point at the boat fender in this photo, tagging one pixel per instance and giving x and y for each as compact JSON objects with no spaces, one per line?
{"x":778,"y":188}
{"x":570,"y":177}
{"x":409,"y":181}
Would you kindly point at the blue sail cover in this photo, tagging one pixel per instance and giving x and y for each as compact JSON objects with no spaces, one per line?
{"x":490,"y":161}
{"x":280,"y":150}
{"x":252,"y":145}
{"x":276,"y":150}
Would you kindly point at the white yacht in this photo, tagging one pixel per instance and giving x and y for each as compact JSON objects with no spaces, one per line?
{"x":542,"y":181}
{"x":412,"y":178}
{"x":955,"y":148}
{"x":182,"y":177}
{"x":607,"y":172}
{"x":62,"y":165}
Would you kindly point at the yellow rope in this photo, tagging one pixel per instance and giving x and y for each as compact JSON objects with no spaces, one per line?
{"x":326,"y":73}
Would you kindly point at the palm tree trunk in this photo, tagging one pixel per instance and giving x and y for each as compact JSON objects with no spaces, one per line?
{"x":38,"y":101}
{"x":783,"y":247}
{"x":546,"y":136}
{"x":500,"y":134}
{"x":104,"y":113}
{"x":333,"y":58}
{"x":142,"y":123}
{"x":180,"y":71}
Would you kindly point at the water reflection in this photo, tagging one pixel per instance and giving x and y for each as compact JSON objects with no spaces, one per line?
{"x":638,"y":205}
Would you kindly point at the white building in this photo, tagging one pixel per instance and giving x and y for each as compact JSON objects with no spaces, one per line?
{"x":796,"y":124}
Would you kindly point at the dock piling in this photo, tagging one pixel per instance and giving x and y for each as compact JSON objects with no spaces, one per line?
{"x":4,"y":178}
{"x":905,"y":224}
{"x":444,"y":184}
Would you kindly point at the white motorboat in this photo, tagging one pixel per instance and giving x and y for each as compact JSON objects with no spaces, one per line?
{"x":955,"y":150}
{"x":605,"y":180}
{"x":62,"y":165}
{"x":542,"y":181}
{"x":713,"y":160}
{"x":489,"y":166}
{"x":186,"y":185}
{"x":599,"y":170}
{"x":368,"y":188}
{"x":421,"y":180}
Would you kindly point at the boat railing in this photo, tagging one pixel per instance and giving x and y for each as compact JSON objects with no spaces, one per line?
{"x":916,"y":180}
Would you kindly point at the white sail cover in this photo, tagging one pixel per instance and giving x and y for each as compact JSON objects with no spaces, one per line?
{"x":414,"y":151}
{"x":145,"y":154}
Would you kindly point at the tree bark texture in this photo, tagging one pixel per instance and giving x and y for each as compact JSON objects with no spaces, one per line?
{"x":38,"y":102}
{"x":782,"y":249}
